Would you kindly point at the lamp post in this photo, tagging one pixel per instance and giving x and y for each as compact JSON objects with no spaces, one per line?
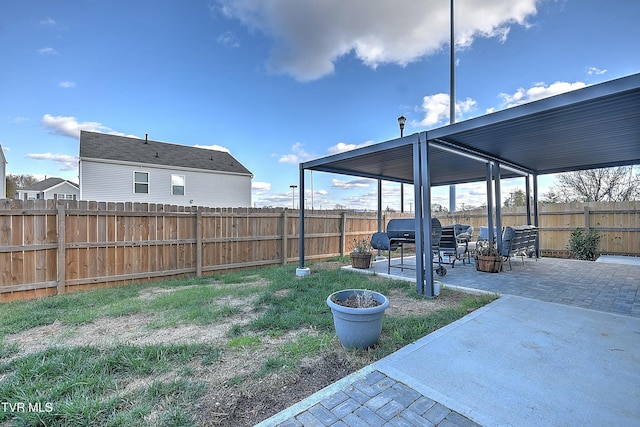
{"x":293,"y":195}
{"x":401,"y":121}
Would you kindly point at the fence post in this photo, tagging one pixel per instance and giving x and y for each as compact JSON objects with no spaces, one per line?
{"x":343,"y":233}
{"x":285,"y":240}
{"x":199,"y":242}
{"x":62,"y":254}
{"x":587,"y":221}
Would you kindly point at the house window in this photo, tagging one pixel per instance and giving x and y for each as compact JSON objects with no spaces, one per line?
{"x":177,"y":185}
{"x":60,"y":196}
{"x":141,"y":182}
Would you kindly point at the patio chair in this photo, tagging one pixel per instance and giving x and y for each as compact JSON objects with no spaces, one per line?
{"x":454,"y":243}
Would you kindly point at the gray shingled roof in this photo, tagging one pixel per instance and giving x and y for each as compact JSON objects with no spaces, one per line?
{"x":121,"y":148}
{"x":46,"y":184}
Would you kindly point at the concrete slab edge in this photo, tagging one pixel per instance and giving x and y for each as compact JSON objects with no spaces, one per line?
{"x":386,"y":365}
{"x":412,"y":280}
{"x":315,"y":398}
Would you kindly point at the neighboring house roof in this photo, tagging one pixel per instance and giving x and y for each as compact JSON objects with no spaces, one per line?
{"x":46,"y":184}
{"x":124,"y":149}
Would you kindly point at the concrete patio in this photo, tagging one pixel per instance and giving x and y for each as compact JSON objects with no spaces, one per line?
{"x":612,"y":284}
{"x":560,"y":348}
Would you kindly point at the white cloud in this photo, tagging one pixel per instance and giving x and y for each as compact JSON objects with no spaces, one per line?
{"x":69,"y":126}
{"x":260,"y":187}
{"x":47,"y":51}
{"x":67,"y":162}
{"x":67,"y":84}
{"x":436,"y":109}
{"x":213,"y":147}
{"x":593,"y":71}
{"x":228,"y":39}
{"x":539,"y":91}
{"x":341,"y":147}
{"x":297,"y":156}
{"x":349,"y":185}
{"x":48,"y":21}
{"x":376,"y":32}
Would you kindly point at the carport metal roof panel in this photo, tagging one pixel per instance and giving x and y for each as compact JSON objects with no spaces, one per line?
{"x":597,"y":126}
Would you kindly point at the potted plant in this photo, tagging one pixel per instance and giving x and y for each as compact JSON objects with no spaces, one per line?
{"x":488,"y":258}
{"x":357,"y":316}
{"x":361,"y":254}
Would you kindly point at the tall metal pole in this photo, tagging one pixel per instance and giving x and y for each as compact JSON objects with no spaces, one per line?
{"x":452,"y":101}
{"x":452,"y":79}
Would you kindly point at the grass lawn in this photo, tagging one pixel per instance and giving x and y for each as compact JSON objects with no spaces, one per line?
{"x":228,"y":349}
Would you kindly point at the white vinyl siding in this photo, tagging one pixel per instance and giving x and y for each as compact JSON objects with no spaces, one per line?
{"x":112,"y":182}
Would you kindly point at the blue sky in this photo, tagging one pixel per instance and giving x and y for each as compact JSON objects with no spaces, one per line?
{"x":279,"y":82}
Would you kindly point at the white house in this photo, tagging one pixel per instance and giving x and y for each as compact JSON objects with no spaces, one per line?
{"x":3,"y":174}
{"x":121,"y":169}
{"x":50,"y":188}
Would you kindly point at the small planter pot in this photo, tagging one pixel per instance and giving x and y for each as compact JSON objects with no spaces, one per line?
{"x":361,"y":260}
{"x":357,"y":327}
{"x":489,"y":264}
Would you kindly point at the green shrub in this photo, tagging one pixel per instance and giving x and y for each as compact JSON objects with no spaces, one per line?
{"x":583,"y":244}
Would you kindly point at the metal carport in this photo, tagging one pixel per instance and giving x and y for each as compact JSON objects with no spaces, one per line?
{"x":594,"y":127}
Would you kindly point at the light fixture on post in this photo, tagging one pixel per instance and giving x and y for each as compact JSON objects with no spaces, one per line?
{"x":401,"y":121}
{"x":293,"y":195}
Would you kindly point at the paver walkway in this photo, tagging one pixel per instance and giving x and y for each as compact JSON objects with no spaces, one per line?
{"x":392,"y":393}
{"x":377,"y":400}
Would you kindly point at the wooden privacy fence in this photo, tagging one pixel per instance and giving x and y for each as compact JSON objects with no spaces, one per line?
{"x":49,"y":247}
{"x":618,"y":224}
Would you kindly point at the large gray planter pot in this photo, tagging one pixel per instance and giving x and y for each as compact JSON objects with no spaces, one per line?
{"x":357,"y":327}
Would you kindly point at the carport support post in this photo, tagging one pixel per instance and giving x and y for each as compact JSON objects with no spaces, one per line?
{"x":379,"y":256}
{"x":426,"y":200}
{"x":489,"y":204}
{"x":536,"y":218}
{"x":301,"y":270}
{"x":496,"y":178}
{"x":527,"y":194}
{"x":422,"y":227}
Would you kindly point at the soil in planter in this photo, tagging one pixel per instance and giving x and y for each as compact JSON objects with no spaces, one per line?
{"x":355,"y":301}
